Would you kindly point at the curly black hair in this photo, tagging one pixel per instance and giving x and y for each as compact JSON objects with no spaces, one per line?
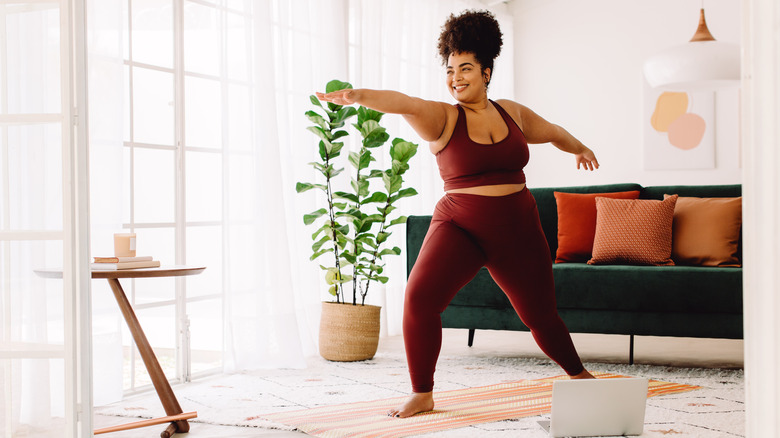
{"x":474,"y":32}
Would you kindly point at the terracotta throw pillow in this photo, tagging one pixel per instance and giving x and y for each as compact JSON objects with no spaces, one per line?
{"x":633,"y":232}
{"x":706,"y":231}
{"x":577,"y":223}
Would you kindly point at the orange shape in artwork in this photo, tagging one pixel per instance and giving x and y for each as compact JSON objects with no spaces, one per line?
{"x":687,"y":131}
{"x":668,"y":107}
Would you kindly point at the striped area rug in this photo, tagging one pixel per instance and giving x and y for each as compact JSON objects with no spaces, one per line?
{"x":458,"y":408}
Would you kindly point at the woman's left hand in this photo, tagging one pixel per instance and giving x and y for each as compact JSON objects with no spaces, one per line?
{"x":587,"y":159}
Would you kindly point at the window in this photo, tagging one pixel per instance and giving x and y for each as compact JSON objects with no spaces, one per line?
{"x":188,"y":116}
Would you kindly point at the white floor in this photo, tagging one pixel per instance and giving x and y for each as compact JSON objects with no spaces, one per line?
{"x":676,"y":352}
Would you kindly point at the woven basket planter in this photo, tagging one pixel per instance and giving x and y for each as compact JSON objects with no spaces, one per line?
{"x":349,"y":333}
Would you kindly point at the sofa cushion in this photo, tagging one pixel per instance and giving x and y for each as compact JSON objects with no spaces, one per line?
{"x":677,"y":289}
{"x":577,"y":223}
{"x":635,"y":232}
{"x":548,"y":210}
{"x":706,"y":231}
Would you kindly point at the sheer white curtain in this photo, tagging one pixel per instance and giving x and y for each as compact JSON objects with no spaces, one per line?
{"x":299,"y":46}
{"x":290,"y":49}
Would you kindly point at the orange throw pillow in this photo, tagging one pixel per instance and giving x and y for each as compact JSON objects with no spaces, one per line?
{"x":577,"y":223}
{"x":633,"y":232}
{"x":706,"y":231}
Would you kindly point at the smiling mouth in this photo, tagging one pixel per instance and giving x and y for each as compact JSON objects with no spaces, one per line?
{"x":459,"y":87}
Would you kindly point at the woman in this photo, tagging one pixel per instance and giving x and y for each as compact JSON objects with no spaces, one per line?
{"x":487,"y":216}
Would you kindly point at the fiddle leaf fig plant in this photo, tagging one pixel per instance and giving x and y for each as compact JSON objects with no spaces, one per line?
{"x":348,"y":228}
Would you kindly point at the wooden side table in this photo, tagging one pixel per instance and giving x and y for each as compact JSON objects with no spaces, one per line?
{"x":160,"y":382}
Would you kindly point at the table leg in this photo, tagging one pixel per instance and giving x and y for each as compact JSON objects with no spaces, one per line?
{"x":161,"y":385}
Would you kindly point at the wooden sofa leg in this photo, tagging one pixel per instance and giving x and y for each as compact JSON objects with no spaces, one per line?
{"x":471,"y":337}
{"x":631,"y":351}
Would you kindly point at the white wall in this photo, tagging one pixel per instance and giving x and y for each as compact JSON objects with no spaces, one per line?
{"x":579,"y":64}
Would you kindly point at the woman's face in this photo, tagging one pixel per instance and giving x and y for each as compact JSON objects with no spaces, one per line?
{"x":465,"y":79}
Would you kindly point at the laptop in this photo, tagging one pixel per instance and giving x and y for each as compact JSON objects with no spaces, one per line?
{"x":597,"y":407}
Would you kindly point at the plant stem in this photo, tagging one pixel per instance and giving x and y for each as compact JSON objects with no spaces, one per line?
{"x":332,"y":217}
{"x":376,"y":251}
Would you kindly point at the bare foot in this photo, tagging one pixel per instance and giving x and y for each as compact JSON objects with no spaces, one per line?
{"x":583,"y":375}
{"x":416,"y":403}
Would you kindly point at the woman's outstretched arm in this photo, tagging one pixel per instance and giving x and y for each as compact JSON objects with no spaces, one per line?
{"x":539,"y":130}
{"x":428,"y":118}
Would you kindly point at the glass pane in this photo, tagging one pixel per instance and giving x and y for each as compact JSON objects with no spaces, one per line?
{"x":204,"y":186}
{"x":239,"y":5}
{"x":159,"y":326}
{"x":205,"y":334}
{"x":243,"y":188}
{"x":34,"y":177}
{"x":158,"y":243}
{"x":154,"y":178}
{"x":152,"y":30}
{"x":32,"y":50}
{"x":204,"y":248}
{"x":153,"y":115}
{"x":238,"y":46}
{"x":202,"y":39}
{"x":203,"y":113}
{"x":127,"y":100}
{"x":31,"y":339}
{"x":239,"y":118}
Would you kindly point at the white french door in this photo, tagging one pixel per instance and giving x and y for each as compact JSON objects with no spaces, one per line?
{"x":45,"y":354}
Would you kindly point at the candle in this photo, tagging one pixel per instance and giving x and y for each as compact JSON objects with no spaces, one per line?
{"x":124,"y":245}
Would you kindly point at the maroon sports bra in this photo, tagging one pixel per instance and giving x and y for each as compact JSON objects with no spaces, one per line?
{"x":465,"y":163}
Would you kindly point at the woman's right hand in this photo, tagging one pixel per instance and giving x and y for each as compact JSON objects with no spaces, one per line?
{"x":342,"y":97}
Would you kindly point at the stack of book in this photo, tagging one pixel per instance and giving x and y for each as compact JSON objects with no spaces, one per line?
{"x":116,"y":263}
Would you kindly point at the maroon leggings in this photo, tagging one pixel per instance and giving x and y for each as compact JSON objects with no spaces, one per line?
{"x":467,"y":232}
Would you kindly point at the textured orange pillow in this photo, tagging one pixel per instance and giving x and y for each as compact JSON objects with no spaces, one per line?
{"x":633,"y":232}
{"x":706,"y":231}
{"x":577,"y":223}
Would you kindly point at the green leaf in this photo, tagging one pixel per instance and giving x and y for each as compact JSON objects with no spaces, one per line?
{"x":311,"y":217}
{"x":395,"y":251}
{"x":365,"y":160}
{"x":319,"y":132}
{"x":399,"y":168}
{"x":315,"y":101}
{"x":341,"y":116}
{"x":339,"y":134}
{"x":348,"y":196}
{"x":336,"y":149}
{"x":405,"y":193}
{"x":351,"y":258}
{"x":324,"y":228}
{"x":383,"y":280}
{"x":402,"y":150}
{"x":318,"y":244}
{"x":368,"y":114}
{"x":392,"y":182}
{"x":332,"y":173}
{"x":303,"y":187}
{"x":382,"y":237}
{"x":376,"y":197}
{"x":397,"y":221}
{"x":336,"y":85}
{"x":367,"y":127}
{"x":334,"y":290}
{"x":318,"y":120}
{"x":319,"y":253}
{"x":354,"y":159}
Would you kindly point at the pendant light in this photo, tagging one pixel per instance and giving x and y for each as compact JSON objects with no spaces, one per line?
{"x":701,"y":64}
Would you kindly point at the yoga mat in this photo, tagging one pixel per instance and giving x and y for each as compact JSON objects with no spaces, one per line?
{"x":458,"y":408}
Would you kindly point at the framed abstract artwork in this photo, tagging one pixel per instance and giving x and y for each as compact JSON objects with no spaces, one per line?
{"x":678,"y":129}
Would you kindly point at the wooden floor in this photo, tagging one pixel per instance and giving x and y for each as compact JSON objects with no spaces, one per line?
{"x":676,"y":352}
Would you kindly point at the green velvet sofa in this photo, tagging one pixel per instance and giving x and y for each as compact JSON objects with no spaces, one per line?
{"x":682,"y":301}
